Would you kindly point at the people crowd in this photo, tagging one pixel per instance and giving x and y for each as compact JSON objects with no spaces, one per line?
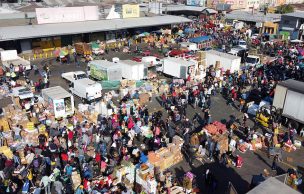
{"x":66,"y":146}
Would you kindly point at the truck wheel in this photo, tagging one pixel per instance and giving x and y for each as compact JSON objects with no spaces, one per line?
{"x":293,"y":124}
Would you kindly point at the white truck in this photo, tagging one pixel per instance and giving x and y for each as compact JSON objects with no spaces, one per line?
{"x":289,"y":100}
{"x":252,"y":61}
{"x":132,"y":70}
{"x":73,"y":75}
{"x":105,"y":70}
{"x":189,"y":46}
{"x":152,"y":65}
{"x":178,"y":67}
{"x":10,"y":57}
{"x":86,"y":89}
{"x":60,"y":102}
{"x":227,"y":61}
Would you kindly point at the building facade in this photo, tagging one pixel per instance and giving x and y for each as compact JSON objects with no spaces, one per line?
{"x":293,"y":23}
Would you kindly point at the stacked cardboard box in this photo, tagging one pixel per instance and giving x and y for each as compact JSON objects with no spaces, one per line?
{"x":222,"y":140}
{"x":143,"y":98}
{"x":4,"y":124}
{"x":166,"y":157}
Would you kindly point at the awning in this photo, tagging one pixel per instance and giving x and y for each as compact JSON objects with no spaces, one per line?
{"x":200,"y":39}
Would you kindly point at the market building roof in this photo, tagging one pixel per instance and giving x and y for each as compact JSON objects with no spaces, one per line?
{"x":256,"y":17}
{"x":298,"y":14}
{"x":273,"y":185}
{"x":182,"y":7}
{"x":46,"y":30}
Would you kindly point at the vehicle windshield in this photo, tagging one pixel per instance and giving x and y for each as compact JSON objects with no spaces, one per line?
{"x":81,"y":76}
{"x":24,"y":90}
{"x":251,"y":60}
{"x":242,"y":43}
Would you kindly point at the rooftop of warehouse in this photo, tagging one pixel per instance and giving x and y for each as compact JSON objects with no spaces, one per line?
{"x":297,"y":14}
{"x":46,"y":30}
{"x":256,"y":17}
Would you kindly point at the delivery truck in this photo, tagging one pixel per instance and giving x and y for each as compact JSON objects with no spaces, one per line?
{"x":226,"y":61}
{"x":86,"y":89}
{"x":105,"y":70}
{"x":132,"y":70}
{"x":190,"y":46}
{"x":60,"y":102}
{"x":178,"y":67}
{"x":252,"y":61}
{"x":73,"y":75}
{"x":289,"y":99}
{"x":10,"y":58}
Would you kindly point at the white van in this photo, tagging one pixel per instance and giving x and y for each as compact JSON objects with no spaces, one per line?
{"x":86,"y":89}
{"x":189,"y":46}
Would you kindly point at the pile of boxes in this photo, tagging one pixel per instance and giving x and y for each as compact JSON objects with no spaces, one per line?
{"x":222,"y":140}
{"x":15,"y":116}
{"x":145,"y":177}
{"x":164,"y":158}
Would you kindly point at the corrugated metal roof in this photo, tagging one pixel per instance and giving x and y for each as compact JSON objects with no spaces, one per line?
{"x":256,"y":17}
{"x":298,"y":14}
{"x":182,"y":8}
{"x":46,"y":30}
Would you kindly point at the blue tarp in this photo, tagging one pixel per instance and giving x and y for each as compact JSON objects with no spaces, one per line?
{"x":189,"y":30}
{"x":200,"y":39}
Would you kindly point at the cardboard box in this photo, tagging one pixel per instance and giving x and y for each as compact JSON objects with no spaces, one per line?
{"x":143,"y":98}
{"x":4,"y":124}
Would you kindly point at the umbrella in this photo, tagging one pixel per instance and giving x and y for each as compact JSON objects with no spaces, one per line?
{"x":143,"y":34}
{"x":56,"y":52}
{"x":95,"y":45}
{"x":296,"y":41}
{"x":63,"y":53}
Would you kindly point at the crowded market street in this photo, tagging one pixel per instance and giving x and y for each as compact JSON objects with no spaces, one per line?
{"x":192,"y":107}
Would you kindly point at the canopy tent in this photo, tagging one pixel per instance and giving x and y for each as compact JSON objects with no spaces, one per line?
{"x":63,"y":53}
{"x":200,"y":39}
{"x":143,"y":34}
{"x":95,"y":45}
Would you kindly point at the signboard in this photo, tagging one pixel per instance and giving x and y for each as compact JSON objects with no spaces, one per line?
{"x":59,"y":108}
{"x":66,"y":14}
{"x":98,"y":73}
{"x":196,"y":2}
{"x":130,"y":11}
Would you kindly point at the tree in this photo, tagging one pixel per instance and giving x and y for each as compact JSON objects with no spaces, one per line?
{"x":282,"y":9}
